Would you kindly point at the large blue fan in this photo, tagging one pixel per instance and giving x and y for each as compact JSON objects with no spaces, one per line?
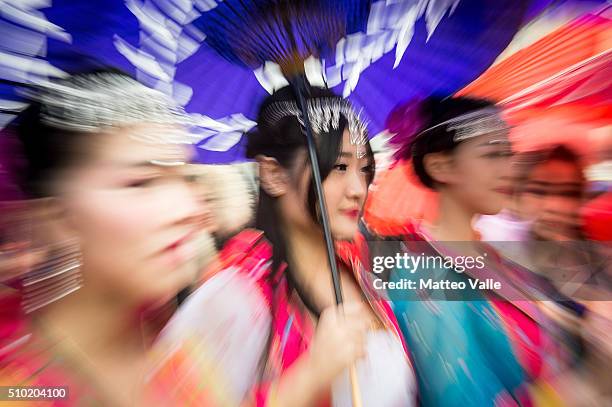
{"x":211,"y":55}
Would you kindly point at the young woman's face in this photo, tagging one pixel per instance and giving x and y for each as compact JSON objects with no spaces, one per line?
{"x":137,"y":219}
{"x":482,"y":173}
{"x":345,"y":190}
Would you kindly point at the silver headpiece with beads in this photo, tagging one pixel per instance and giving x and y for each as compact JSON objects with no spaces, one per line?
{"x":486,"y":121}
{"x":97,"y":101}
{"x":324,"y":115}
{"x":478,"y":123}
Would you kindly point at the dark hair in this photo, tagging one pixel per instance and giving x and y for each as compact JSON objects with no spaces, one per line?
{"x":437,"y":111}
{"x":528,"y":161}
{"x":49,"y":150}
{"x":283,"y":140}
{"x":563,"y":153}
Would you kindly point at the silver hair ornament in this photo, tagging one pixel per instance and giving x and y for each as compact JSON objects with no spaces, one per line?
{"x":324,"y":115}
{"x":479,"y":123}
{"x":95,"y":102}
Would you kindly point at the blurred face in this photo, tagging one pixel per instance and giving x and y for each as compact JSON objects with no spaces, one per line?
{"x":480,"y":173}
{"x":345,"y":190}
{"x":202,"y":185}
{"x":136,"y":216}
{"x":552,"y":198}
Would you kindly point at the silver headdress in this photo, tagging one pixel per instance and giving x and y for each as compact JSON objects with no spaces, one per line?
{"x":478,"y":123}
{"x":94,"y":102}
{"x":324,"y":114}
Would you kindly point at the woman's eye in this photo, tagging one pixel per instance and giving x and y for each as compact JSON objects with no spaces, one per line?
{"x":499,"y":154}
{"x":191,"y":179}
{"x":141,"y":183}
{"x":368,"y":168}
{"x":341,"y":167}
{"x":570,"y":194}
{"x":535,"y":191}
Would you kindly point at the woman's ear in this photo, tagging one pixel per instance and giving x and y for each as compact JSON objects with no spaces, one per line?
{"x":51,"y":221}
{"x":439,"y":167}
{"x":272,"y":176}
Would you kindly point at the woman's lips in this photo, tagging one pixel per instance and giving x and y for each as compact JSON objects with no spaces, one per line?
{"x":504,"y":190}
{"x":351,"y":213}
{"x":179,"y":243}
{"x":181,"y":251}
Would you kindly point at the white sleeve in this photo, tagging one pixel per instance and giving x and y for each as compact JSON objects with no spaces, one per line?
{"x":230,"y":318}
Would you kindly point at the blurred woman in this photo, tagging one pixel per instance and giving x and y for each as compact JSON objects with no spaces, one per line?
{"x":281,"y":340}
{"x":472,"y":345}
{"x":230,"y":195}
{"x":115,"y":224}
